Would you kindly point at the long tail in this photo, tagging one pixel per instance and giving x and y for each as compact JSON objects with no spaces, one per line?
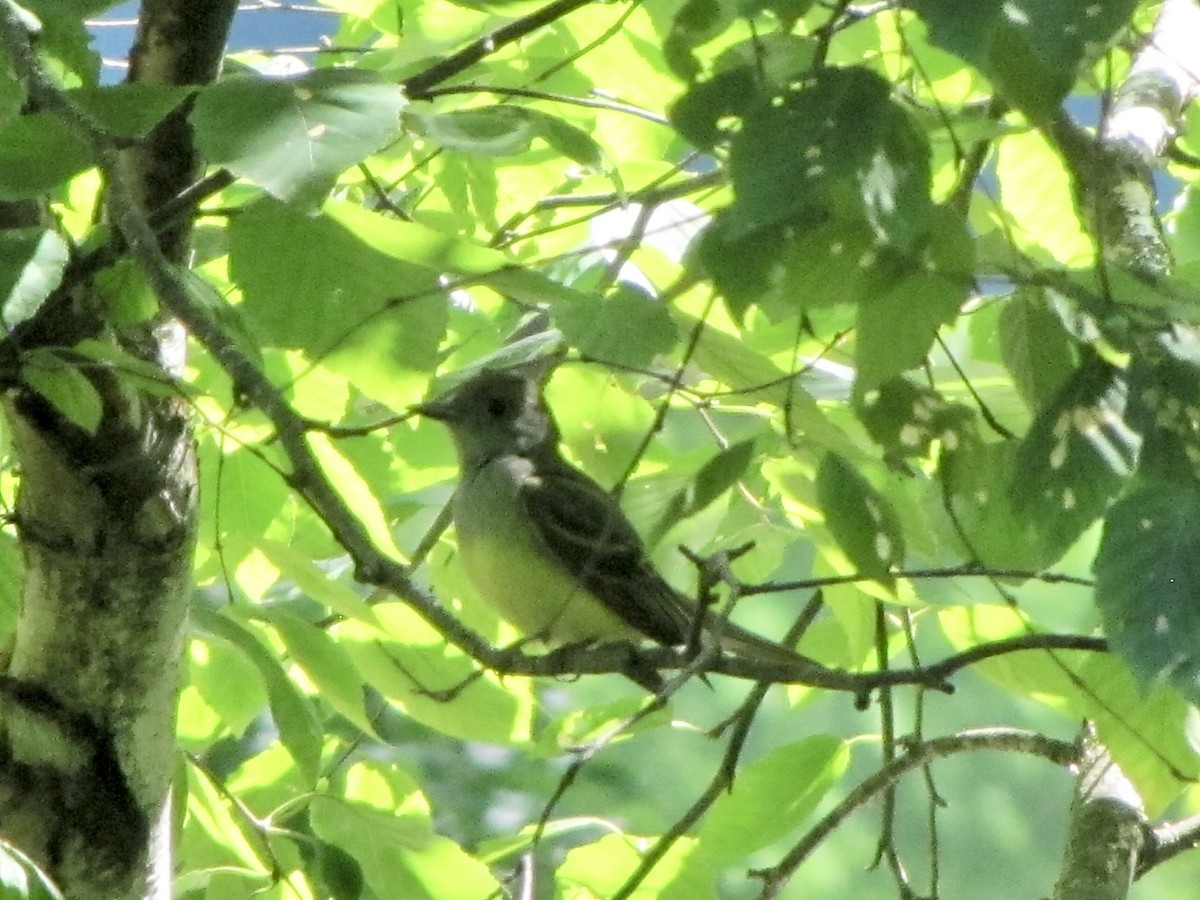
{"x":739,"y":641}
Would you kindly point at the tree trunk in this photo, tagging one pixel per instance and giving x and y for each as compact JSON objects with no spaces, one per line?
{"x":106,"y":521}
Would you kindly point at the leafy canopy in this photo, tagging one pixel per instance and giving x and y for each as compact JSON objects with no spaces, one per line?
{"x":822,"y":284}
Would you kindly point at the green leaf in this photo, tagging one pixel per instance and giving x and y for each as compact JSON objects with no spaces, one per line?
{"x":64,"y":387}
{"x":787,"y":11}
{"x":978,"y":476}
{"x":355,"y":492}
{"x":229,"y":683}
{"x":600,"y":868}
{"x":896,"y":330}
{"x":1131,"y":716}
{"x":410,"y":242}
{"x":290,"y":135}
{"x":229,"y":317}
{"x":208,"y":806}
{"x":240,"y":496}
{"x":370,"y":317}
{"x":1031,"y":51}
{"x":63,"y":34}
{"x":130,"y":110}
{"x":22,"y":879}
{"x":746,"y":75}
{"x":39,"y":152}
{"x":906,"y":418}
{"x":744,"y":268}
{"x":1040,"y":215}
{"x":1147,"y":581}
{"x":714,"y":478}
{"x":1036,"y":349}
{"x":696,"y":23}
{"x":500,"y":130}
{"x":316,"y":584}
{"x":789,"y":781}
{"x":299,"y":730}
{"x":573,"y":143}
{"x":844,"y":150}
{"x":626,"y":328}
{"x":698,"y":115}
{"x":326,"y":663}
{"x":340,"y":872}
{"x":125,"y":293}
{"x":414,"y":660}
{"x":32,"y":262}
{"x":1163,"y":406}
{"x":401,"y":855}
{"x":148,"y":375}
{"x":860,"y":519}
{"x":1076,"y":456}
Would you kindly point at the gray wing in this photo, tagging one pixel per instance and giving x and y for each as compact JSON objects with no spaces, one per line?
{"x":586,"y":531}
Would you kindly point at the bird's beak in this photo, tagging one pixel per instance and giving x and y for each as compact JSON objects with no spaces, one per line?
{"x":440,"y":409}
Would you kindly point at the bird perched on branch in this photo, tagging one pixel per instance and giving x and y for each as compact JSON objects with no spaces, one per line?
{"x":546,"y":546}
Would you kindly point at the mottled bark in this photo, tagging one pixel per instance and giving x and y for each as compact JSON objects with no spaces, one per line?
{"x":106,"y":523}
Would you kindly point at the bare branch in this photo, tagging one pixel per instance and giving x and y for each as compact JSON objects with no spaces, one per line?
{"x":1060,"y":753}
{"x":416,"y":86}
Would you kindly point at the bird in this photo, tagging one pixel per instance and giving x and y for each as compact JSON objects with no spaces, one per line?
{"x":544,"y":544}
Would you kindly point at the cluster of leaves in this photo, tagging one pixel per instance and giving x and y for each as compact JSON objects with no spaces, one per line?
{"x":891,"y":343}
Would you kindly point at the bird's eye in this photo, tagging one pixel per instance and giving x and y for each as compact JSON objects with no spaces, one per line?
{"x":496,"y":407}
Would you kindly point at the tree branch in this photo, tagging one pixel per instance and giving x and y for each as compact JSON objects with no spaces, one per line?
{"x":372,"y":566}
{"x":416,"y":86}
{"x":1060,"y":753}
{"x":1106,"y":831}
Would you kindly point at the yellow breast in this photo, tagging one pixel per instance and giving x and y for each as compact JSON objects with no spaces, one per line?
{"x":510,"y":567}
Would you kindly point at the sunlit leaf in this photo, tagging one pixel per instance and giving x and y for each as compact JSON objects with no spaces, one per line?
{"x":65,"y":388}
{"x":401,"y":856}
{"x":299,"y":730}
{"x":22,"y":879}
{"x":326,"y":663}
{"x":790,"y":781}
{"x":289,"y":134}
{"x":32,"y":262}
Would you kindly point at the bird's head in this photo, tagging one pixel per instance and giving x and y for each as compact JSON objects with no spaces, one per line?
{"x":494,"y":413}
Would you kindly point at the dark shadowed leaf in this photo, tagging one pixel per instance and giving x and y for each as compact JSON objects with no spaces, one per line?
{"x":37,"y":153}
{"x":860,"y":518}
{"x":628,"y":327}
{"x":714,"y":478}
{"x":1030,"y":50}
{"x":1148,"y":579}
{"x":130,"y":110}
{"x":1035,"y":347}
{"x":1076,"y":456}
{"x":844,"y":150}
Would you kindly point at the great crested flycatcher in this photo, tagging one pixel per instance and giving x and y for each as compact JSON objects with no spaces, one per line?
{"x":544,"y":544}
